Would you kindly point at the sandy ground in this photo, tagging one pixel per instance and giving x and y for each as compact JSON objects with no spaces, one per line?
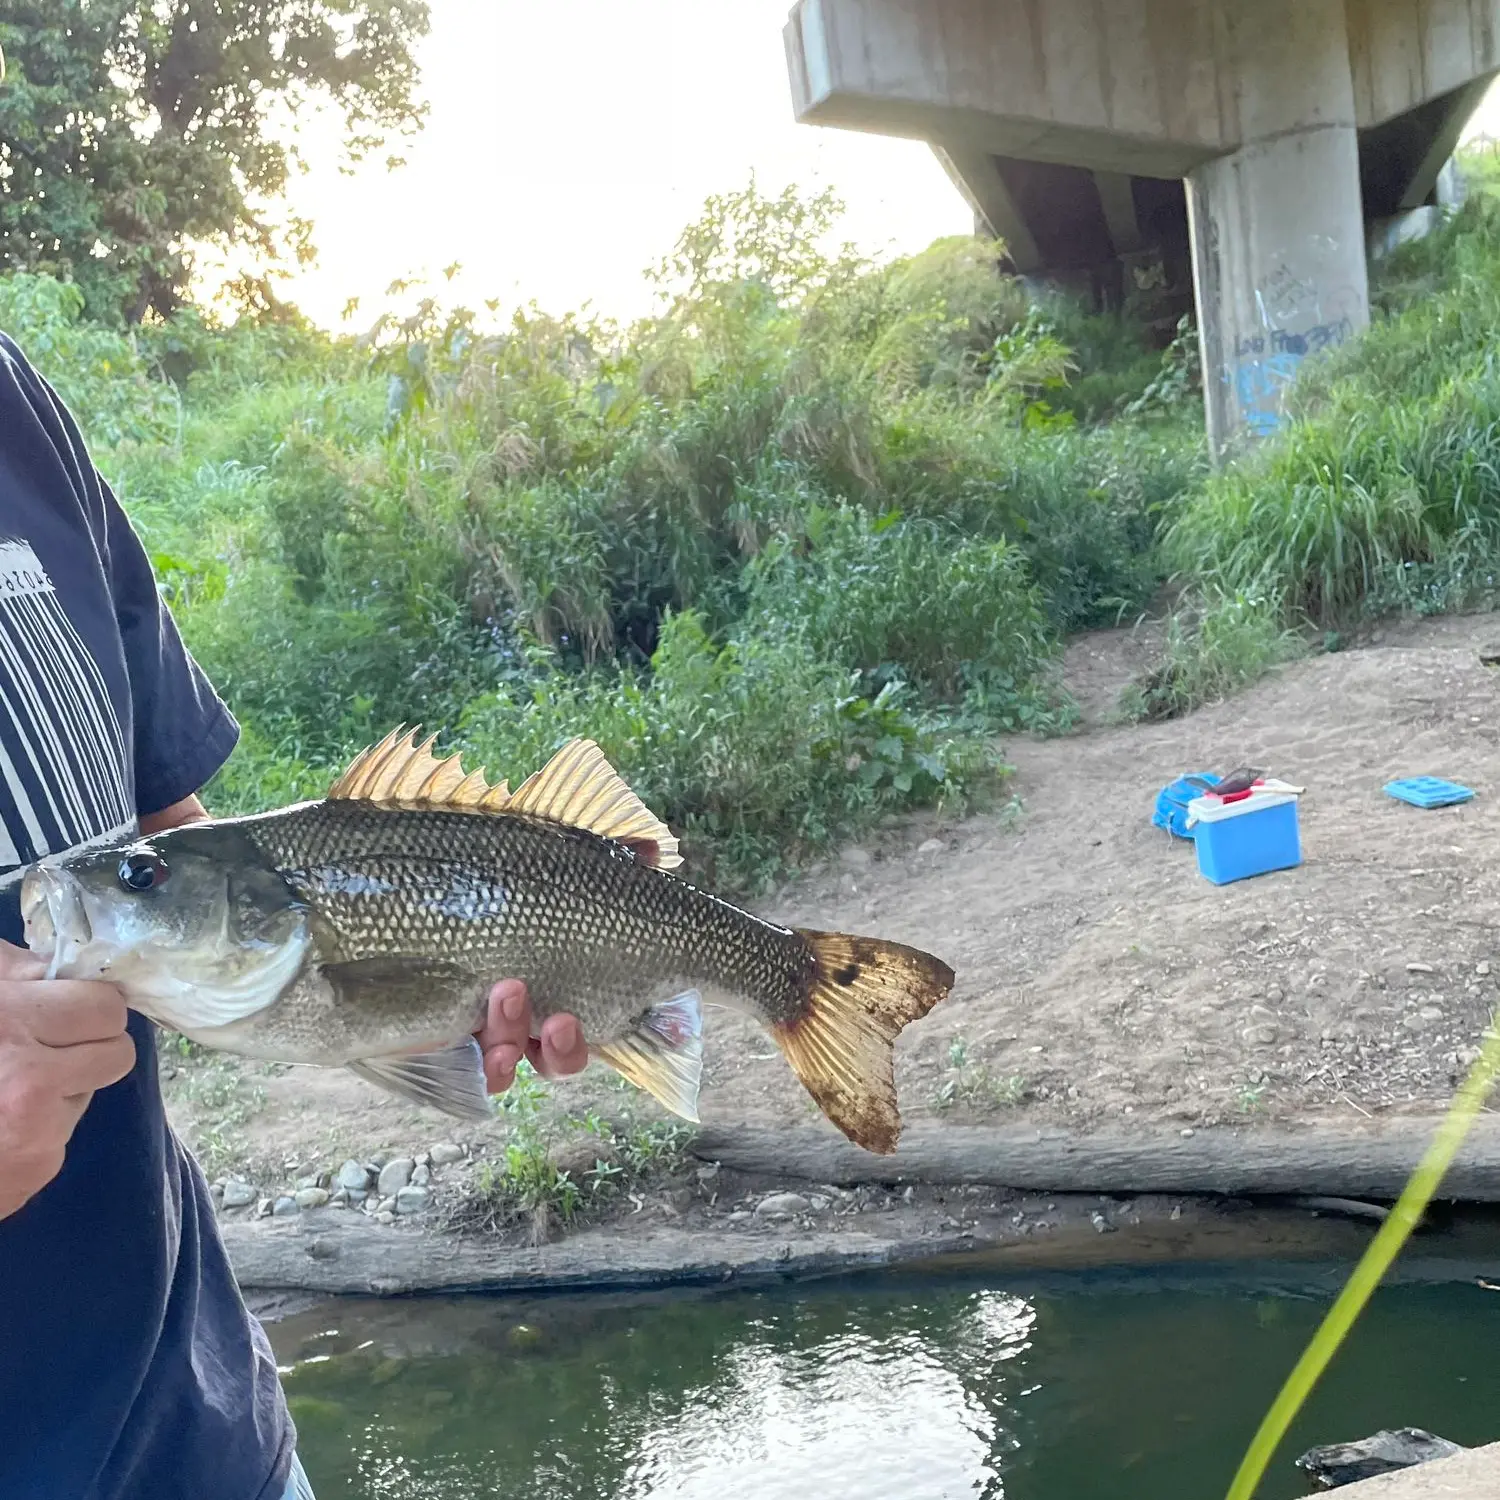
{"x":1100,"y":978}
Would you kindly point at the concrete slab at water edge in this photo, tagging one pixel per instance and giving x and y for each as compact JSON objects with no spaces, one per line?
{"x":1474,"y":1475}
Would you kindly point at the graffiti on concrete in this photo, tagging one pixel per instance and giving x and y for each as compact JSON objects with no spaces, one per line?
{"x":1297,"y":320}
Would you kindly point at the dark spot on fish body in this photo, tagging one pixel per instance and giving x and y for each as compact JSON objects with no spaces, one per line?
{"x":847,"y":975}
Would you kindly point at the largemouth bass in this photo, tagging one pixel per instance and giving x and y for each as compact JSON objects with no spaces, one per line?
{"x":366,"y":929}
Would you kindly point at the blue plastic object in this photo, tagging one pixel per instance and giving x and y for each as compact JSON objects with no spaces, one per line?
{"x":1172,"y":803}
{"x":1428,"y":791}
{"x":1239,"y":844}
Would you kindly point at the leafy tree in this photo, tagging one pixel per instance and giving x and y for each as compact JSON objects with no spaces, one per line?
{"x":133,"y":130}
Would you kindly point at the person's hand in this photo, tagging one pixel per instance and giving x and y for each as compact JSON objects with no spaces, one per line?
{"x":505,"y":1038}
{"x":60,"y":1039}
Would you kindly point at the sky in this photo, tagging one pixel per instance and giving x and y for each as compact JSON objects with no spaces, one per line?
{"x":569,"y":142}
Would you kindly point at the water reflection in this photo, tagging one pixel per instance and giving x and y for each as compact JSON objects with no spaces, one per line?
{"x":922,"y":1391}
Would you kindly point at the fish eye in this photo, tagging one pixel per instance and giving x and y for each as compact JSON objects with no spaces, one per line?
{"x":142,"y":871}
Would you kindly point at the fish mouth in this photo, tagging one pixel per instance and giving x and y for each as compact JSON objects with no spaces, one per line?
{"x":57,"y":925}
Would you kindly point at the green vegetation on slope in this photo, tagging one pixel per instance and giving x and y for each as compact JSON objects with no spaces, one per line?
{"x":791,"y":550}
{"x":796,"y":549}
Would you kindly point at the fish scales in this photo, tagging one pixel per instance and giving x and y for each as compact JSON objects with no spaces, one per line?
{"x":591,"y":929}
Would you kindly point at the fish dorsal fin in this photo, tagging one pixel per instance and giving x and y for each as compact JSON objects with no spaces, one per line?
{"x":579,"y":786}
{"x":399,"y":771}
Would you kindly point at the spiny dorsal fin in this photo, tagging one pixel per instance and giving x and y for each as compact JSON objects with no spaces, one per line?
{"x":400,"y":771}
{"x":579,"y":786}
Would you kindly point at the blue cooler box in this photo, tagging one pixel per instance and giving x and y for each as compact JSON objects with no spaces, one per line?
{"x":1235,"y":840}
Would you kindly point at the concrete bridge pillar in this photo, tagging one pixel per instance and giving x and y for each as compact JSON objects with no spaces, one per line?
{"x":1277,"y":225}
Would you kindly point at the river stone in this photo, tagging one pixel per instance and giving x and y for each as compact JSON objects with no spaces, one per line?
{"x":307,"y":1182}
{"x":422,"y":1176}
{"x":445,"y":1153}
{"x":385,"y":1216}
{"x":238,"y":1193}
{"x":412,"y":1200}
{"x":311,"y":1197}
{"x":354,"y":1177}
{"x":385,"y":1206}
{"x":1338,"y":1464}
{"x":931,"y":846}
{"x":782,"y":1206}
{"x":284,"y":1208}
{"x":395,"y":1174}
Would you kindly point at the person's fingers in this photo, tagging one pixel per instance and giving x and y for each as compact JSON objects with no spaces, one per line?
{"x":561,"y":1048}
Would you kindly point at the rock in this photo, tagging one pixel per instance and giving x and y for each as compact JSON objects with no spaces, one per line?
{"x":263,"y":1208}
{"x":1260,"y":1036}
{"x":311,"y":1197}
{"x":708,"y":1173}
{"x":782,"y":1206}
{"x":422,"y":1160}
{"x":353,"y":1176}
{"x":1418,"y":1020}
{"x":284,"y":1208}
{"x":385,"y":1206}
{"x":931,"y":846}
{"x":1337,"y":1464}
{"x":339,"y":1197}
{"x":238,"y":1193}
{"x":307,"y":1182}
{"x":1482,"y":968}
{"x":422,"y":1176}
{"x":855,"y":857}
{"x":385,"y":1216}
{"x":395,"y":1174}
{"x":1101,"y":1224}
{"x":1431,"y":1012}
{"x":1419,"y":969}
{"x":739,"y":1216}
{"x":445,"y":1153}
{"x":412,"y":1200}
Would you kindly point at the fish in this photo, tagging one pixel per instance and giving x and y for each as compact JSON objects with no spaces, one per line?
{"x":364,"y":930}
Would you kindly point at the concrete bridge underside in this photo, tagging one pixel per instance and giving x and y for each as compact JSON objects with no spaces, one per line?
{"x":1160,"y":151}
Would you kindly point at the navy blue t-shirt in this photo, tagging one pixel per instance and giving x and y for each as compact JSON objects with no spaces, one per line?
{"x":129,"y":1367}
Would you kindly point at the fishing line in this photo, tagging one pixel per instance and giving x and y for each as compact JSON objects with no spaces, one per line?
{"x":1373,"y":1265}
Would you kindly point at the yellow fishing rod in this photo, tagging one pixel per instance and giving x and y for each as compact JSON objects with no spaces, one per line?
{"x":1373,"y":1265}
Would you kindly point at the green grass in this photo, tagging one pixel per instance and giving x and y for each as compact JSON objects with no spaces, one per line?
{"x":797,"y":547}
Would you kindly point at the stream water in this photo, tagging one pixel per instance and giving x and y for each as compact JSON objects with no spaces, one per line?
{"x":1138,"y":1386}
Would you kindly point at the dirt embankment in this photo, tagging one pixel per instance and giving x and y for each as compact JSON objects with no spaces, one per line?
{"x":1106,"y":994}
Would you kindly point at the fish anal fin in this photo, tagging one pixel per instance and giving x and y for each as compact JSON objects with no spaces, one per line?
{"x":451,"y":1080}
{"x":400,"y":772}
{"x":664,"y":1054}
{"x":578,"y":786}
{"x":862,"y":993}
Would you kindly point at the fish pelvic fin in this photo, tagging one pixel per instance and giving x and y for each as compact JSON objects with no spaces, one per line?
{"x":664,"y":1054}
{"x":863,"y":992}
{"x":451,"y":1080}
{"x":577,"y":786}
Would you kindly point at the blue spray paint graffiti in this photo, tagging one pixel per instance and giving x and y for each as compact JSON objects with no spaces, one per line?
{"x":1260,"y":378}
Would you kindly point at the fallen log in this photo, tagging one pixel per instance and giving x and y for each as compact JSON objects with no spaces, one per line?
{"x":1318,"y":1158}
{"x":343,"y":1253}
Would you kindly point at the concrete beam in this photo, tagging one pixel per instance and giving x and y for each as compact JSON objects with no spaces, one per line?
{"x":1402,"y":55}
{"x":1131,"y":86}
{"x":976,"y":176}
{"x":1117,"y":197}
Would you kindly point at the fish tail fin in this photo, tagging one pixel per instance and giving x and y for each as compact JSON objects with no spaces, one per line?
{"x":863,"y":992}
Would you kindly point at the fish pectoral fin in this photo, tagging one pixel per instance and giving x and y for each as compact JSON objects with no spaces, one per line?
{"x":451,"y":1080}
{"x":578,"y":786}
{"x":664,"y":1054}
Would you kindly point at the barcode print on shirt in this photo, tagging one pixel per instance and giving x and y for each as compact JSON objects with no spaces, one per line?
{"x":62,"y":754}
